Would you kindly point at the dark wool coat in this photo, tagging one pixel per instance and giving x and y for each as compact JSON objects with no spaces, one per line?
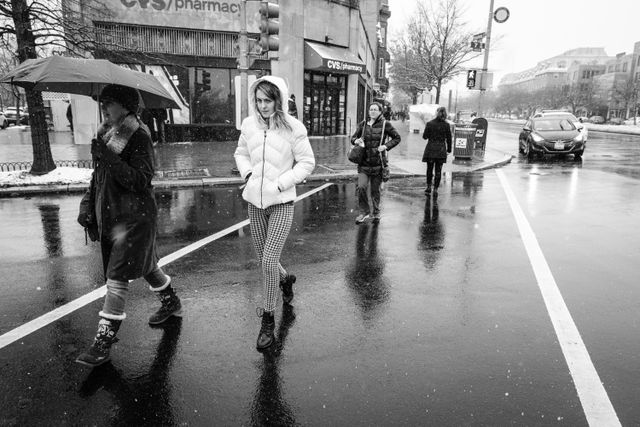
{"x":125,"y":207}
{"x":372,"y":138}
{"x":438,"y":132}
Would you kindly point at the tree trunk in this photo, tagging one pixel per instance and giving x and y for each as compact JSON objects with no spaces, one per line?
{"x":42,"y":158}
{"x":438,"y":88}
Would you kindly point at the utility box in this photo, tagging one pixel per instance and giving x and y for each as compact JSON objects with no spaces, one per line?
{"x":463,"y":139}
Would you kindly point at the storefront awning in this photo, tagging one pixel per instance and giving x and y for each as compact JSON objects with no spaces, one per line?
{"x":332,"y":59}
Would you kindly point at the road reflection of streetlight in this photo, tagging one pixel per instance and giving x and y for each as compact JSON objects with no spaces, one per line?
{"x":269,"y":406}
{"x":50,"y":216}
{"x":145,"y":400}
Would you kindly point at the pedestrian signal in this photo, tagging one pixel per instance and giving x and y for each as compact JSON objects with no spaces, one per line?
{"x":269,"y":26}
{"x":471,"y":79}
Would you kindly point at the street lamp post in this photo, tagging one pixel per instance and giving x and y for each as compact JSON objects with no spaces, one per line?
{"x":243,"y":61}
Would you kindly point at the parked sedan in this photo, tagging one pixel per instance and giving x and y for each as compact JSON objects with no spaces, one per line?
{"x":598,"y":120}
{"x":551,"y":135}
{"x":11,"y":113}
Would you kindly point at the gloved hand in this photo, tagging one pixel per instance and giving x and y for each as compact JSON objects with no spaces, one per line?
{"x":96,"y":149}
{"x":382,"y":148}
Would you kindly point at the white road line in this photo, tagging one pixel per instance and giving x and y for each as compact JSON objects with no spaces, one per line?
{"x":593,"y":397}
{"x":50,"y":317}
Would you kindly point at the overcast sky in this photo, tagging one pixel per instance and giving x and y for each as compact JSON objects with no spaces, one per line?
{"x":540,"y":29}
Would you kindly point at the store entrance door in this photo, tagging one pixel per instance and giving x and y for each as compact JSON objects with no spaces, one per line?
{"x":325,"y":103}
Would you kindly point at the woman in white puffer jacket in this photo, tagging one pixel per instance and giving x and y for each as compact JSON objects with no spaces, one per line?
{"x":273,"y":155}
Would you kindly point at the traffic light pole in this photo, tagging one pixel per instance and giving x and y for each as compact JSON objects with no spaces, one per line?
{"x":243,"y":61}
{"x":485,"y":65}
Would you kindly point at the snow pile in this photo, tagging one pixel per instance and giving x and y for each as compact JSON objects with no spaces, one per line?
{"x":60,"y":175}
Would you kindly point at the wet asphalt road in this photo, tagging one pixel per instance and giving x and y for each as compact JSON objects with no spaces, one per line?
{"x":433,"y":317}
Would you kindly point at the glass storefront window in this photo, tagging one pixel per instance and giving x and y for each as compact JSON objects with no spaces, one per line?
{"x":210,"y":93}
{"x":325,"y":103}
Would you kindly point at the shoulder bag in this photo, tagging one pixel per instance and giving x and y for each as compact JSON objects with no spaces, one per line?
{"x":356,"y":152}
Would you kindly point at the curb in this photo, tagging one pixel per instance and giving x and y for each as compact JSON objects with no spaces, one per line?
{"x":30,"y":190}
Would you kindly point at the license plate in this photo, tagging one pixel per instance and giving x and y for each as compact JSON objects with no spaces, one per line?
{"x":558,"y":146}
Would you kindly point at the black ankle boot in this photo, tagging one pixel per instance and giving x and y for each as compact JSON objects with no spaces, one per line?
{"x":287,"y":288}
{"x":98,"y":353}
{"x":265,"y":337}
{"x":170,"y":306}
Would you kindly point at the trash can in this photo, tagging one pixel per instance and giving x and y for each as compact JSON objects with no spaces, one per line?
{"x":464,"y":136}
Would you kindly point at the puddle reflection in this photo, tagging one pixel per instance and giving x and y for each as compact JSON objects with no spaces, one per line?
{"x":145,"y":399}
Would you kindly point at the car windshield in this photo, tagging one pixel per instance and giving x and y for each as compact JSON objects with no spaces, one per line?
{"x":553,"y":124}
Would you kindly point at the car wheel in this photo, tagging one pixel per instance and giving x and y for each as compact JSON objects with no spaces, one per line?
{"x":520,"y":150}
{"x":527,"y":151}
{"x":5,"y":124}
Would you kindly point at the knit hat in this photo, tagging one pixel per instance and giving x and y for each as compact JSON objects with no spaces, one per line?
{"x":123,"y":95}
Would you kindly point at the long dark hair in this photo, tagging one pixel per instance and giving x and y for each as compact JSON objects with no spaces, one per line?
{"x":441,"y":113}
{"x":279,"y":118}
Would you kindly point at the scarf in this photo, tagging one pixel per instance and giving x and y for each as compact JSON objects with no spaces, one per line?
{"x":117,"y":136}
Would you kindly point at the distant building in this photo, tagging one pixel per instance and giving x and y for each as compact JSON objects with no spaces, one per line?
{"x":553,"y":72}
{"x":618,"y":86}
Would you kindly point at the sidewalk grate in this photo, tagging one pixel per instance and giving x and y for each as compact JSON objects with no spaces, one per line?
{"x":184,"y":173}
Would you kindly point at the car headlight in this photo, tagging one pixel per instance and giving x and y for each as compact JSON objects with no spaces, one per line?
{"x":578,"y":138}
{"x":536,"y":137}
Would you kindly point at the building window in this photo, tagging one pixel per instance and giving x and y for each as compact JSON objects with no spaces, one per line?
{"x":381,"y":68}
{"x":142,"y":38}
{"x":624,"y":67}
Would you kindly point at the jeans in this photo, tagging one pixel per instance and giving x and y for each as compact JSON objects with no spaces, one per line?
{"x":373,"y":182}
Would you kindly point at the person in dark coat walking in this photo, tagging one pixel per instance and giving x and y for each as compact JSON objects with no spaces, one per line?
{"x":125,"y":212}
{"x":291,"y":105}
{"x":437,"y":132}
{"x":372,"y":134}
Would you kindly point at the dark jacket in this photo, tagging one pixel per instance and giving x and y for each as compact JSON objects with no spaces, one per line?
{"x":438,"y":132}
{"x":372,"y":139}
{"x":125,"y":207}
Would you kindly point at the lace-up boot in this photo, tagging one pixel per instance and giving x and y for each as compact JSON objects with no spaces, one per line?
{"x":287,"y":288}
{"x":98,"y":353}
{"x":265,"y":337}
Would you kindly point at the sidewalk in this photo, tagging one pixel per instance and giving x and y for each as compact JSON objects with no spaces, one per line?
{"x":203,"y":164}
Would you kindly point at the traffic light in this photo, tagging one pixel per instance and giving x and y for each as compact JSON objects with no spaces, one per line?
{"x":206,"y":80}
{"x":269,"y":26}
{"x":471,"y":79}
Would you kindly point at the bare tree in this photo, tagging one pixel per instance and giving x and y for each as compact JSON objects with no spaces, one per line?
{"x":436,"y":44}
{"x":407,"y":73}
{"x":625,"y":93}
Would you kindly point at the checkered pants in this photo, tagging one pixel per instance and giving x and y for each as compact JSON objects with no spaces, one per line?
{"x":269,"y":231}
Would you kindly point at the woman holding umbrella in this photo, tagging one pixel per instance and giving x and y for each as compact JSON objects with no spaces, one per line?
{"x":123,"y":204}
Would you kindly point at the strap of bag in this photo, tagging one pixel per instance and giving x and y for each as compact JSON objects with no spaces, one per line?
{"x":384,"y":123}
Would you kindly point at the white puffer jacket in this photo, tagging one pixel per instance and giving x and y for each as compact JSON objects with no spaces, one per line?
{"x":276,"y":159}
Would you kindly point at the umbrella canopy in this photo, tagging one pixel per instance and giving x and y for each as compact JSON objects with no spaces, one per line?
{"x":87,"y":77}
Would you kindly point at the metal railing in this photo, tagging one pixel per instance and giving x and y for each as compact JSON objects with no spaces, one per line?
{"x":19,"y":166}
